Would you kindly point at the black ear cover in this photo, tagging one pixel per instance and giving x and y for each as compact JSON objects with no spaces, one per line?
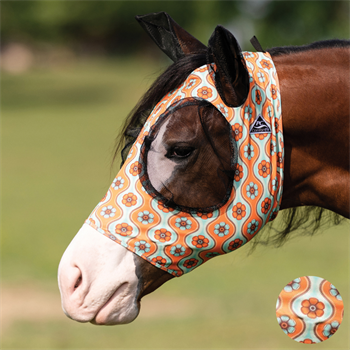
{"x":231,"y":76}
{"x":173,"y":40}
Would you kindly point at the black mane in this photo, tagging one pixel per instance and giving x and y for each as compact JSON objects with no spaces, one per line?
{"x":318,"y":45}
{"x":309,"y":219}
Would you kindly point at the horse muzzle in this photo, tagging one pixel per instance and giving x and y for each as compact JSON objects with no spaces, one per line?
{"x":97,"y":280}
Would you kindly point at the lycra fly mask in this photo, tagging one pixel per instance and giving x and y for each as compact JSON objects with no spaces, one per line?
{"x":175,"y":237}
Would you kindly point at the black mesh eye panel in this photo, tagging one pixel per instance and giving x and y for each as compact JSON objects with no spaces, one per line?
{"x":147,"y":144}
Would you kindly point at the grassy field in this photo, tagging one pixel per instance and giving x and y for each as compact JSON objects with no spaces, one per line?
{"x":58,"y":130}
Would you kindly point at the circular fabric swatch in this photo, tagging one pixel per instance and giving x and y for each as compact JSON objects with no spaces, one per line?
{"x":309,"y":309}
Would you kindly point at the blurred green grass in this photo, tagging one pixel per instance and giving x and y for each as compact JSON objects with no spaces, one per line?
{"x":58,"y":131}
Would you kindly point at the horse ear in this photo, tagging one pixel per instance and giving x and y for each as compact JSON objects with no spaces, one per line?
{"x":231,"y":75}
{"x":173,"y":40}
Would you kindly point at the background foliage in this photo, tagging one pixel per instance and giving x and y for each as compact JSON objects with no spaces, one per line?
{"x":60,"y":114}
{"x":110,"y":25}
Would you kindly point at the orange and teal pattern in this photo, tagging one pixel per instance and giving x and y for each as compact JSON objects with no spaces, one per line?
{"x":176,"y":241}
{"x":309,"y":309}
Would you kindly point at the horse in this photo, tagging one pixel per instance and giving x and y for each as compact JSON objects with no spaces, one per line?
{"x":103,"y":282}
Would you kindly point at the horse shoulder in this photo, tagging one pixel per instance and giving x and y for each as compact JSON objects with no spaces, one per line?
{"x":315,"y":111}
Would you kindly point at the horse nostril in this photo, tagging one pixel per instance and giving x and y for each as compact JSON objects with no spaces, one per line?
{"x":78,"y":282}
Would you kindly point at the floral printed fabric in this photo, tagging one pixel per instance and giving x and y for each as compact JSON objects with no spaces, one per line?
{"x":309,"y":309}
{"x":176,"y":241}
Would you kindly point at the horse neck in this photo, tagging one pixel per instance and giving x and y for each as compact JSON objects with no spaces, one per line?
{"x":315,"y":112}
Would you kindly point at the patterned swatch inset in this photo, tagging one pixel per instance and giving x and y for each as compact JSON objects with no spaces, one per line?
{"x":309,"y":309}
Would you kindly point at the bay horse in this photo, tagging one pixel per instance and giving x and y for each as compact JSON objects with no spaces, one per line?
{"x":102,"y":282}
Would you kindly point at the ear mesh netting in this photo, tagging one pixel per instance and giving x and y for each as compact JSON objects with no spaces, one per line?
{"x":201,"y":105}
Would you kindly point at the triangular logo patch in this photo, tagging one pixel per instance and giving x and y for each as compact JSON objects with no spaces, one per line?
{"x":260,"y":126}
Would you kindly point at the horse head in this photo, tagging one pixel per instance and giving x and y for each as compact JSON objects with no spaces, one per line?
{"x":185,"y":193}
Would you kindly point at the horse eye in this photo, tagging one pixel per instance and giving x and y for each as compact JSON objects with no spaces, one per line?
{"x":179,"y":152}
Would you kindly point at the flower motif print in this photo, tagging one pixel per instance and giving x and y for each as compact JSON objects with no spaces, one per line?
{"x":177,"y":250}
{"x":129,"y":199}
{"x":287,"y":324}
{"x":273,"y":214}
{"x":258,"y":97}
{"x":108,"y":212}
{"x":204,"y":92}
{"x":252,"y":190}
{"x":223,"y":109}
{"x":260,"y":136}
{"x":266,"y":64}
{"x":205,"y":216}
{"x":92,"y":222}
{"x":142,"y":139}
{"x":335,"y":293}
{"x":200,"y":241}
{"x":164,"y":208}
{"x":190,"y":263}
{"x":118,"y":183}
{"x":261,"y":77}
{"x":235,"y":244}
{"x":330,"y":328}
{"x":130,"y":153}
{"x":253,"y":227}
{"x":142,"y":247}
{"x":123,"y":229}
{"x":272,"y":147}
{"x":183,"y":223}
{"x":277,"y":126}
{"x":307,"y":341}
{"x":248,"y":112}
{"x":211,"y":255}
{"x":237,"y":131}
{"x":294,"y":285}
{"x":238,"y":174}
{"x":312,"y":308}
{"x":159,"y":260}
{"x":279,"y":160}
{"x":274,"y":184}
{"x":190,"y":84}
{"x":145,"y":217}
{"x":264,"y":168}
{"x":248,"y":54}
{"x":239,"y":211}
{"x":162,"y":235}
{"x":135,"y":169}
{"x":266,"y":205}
{"x":222,"y":229}
{"x":274,"y":91}
{"x":249,"y":151}
{"x":104,"y":197}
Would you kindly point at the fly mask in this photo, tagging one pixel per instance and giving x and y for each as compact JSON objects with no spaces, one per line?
{"x":178,"y":239}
